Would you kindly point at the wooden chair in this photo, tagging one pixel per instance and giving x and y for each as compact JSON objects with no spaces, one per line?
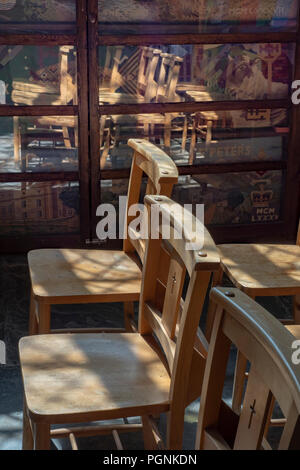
{"x":259,"y":270}
{"x":77,"y":378}
{"x":268,"y":346}
{"x":67,"y":276}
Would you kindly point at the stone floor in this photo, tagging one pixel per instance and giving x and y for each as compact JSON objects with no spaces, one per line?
{"x":14,"y":305}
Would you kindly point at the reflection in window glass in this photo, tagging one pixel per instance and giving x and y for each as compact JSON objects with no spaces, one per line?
{"x":130,"y":74}
{"x":234,"y":198}
{"x":199,"y":15}
{"x":38,"y":75}
{"x":39,"y":208}
{"x":199,"y":138}
{"x":38,"y":144}
{"x":37,"y":15}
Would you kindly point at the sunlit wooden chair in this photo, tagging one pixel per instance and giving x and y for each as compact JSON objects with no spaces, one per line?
{"x":259,"y":270}
{"x":77,"y":378}
{"x":67,"y":276}
{"x":267,"y":345}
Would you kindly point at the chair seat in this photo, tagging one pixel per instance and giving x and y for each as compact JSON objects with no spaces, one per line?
{"x":266,"y":269}
{"x":119,"y":373}
{"x":107,"y":276}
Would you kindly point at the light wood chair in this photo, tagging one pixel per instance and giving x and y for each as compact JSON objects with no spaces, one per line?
{"x":259,"y":270}
{"x":67,"y":276}
{"x":267,"y":345}
{"x":78,"y":378}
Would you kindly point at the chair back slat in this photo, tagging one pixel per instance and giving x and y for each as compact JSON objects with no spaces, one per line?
{"x":173,"y":292}
{"x":298,"y":235}
{"x":147,"y":85}
{"x":267,"y":345}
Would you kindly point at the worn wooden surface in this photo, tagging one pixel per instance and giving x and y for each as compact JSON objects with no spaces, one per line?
{"x":263,"y":269}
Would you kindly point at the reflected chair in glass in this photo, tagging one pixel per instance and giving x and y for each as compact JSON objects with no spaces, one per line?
{"x":155,"y":126}
{"x":146,"y":60}
{"x":81,"y":378}
{"x":67,"y":276}
{"x":60,"y":90}
{"x":267,"y":345}
{"x":259,"y":270}
{"x":136,"y":75}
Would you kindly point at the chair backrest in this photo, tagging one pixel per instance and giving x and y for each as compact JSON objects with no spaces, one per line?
{"x":165,"y":319}
{"x":161,"y":173}
{"x":267,"y":345}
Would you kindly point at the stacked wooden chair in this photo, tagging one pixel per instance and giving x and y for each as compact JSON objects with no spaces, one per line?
{"x":157,"y":80}
{"x":78,"y":378}
{"x":58,"y":89}
{"x":259,"y":270}
{"x":267,"y":345}
{"x":143,"y":91}
{"x":67,"y":276}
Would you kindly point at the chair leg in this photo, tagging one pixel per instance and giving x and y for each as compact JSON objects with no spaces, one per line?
{"x":175,"y":429}
{"x":296,"y":307}
{"x":193,"y":144}
{"x":27,"y":443}
{"x":184,"y":132}
{"x":42,"y":436}
{"x":33,"y":323}
{"x":269,"y":417}
{"x":240,"y":375}
{"x":152,"y":438}
{"x":239,"y":381}
{"x":129,"y":317}
{"x":44,"y":314}
{"x":216,"y":281}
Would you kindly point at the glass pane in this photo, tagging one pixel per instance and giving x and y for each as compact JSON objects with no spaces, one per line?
{"x":234,"y":198}
{"x":39,"y":208}
{"x":38,"y":144}
{"x":142,"y":16}
{"x":138,"y":74}
{"x":38,"y":75}
{"x":37,"y":16}
{"x":199,"y":138}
